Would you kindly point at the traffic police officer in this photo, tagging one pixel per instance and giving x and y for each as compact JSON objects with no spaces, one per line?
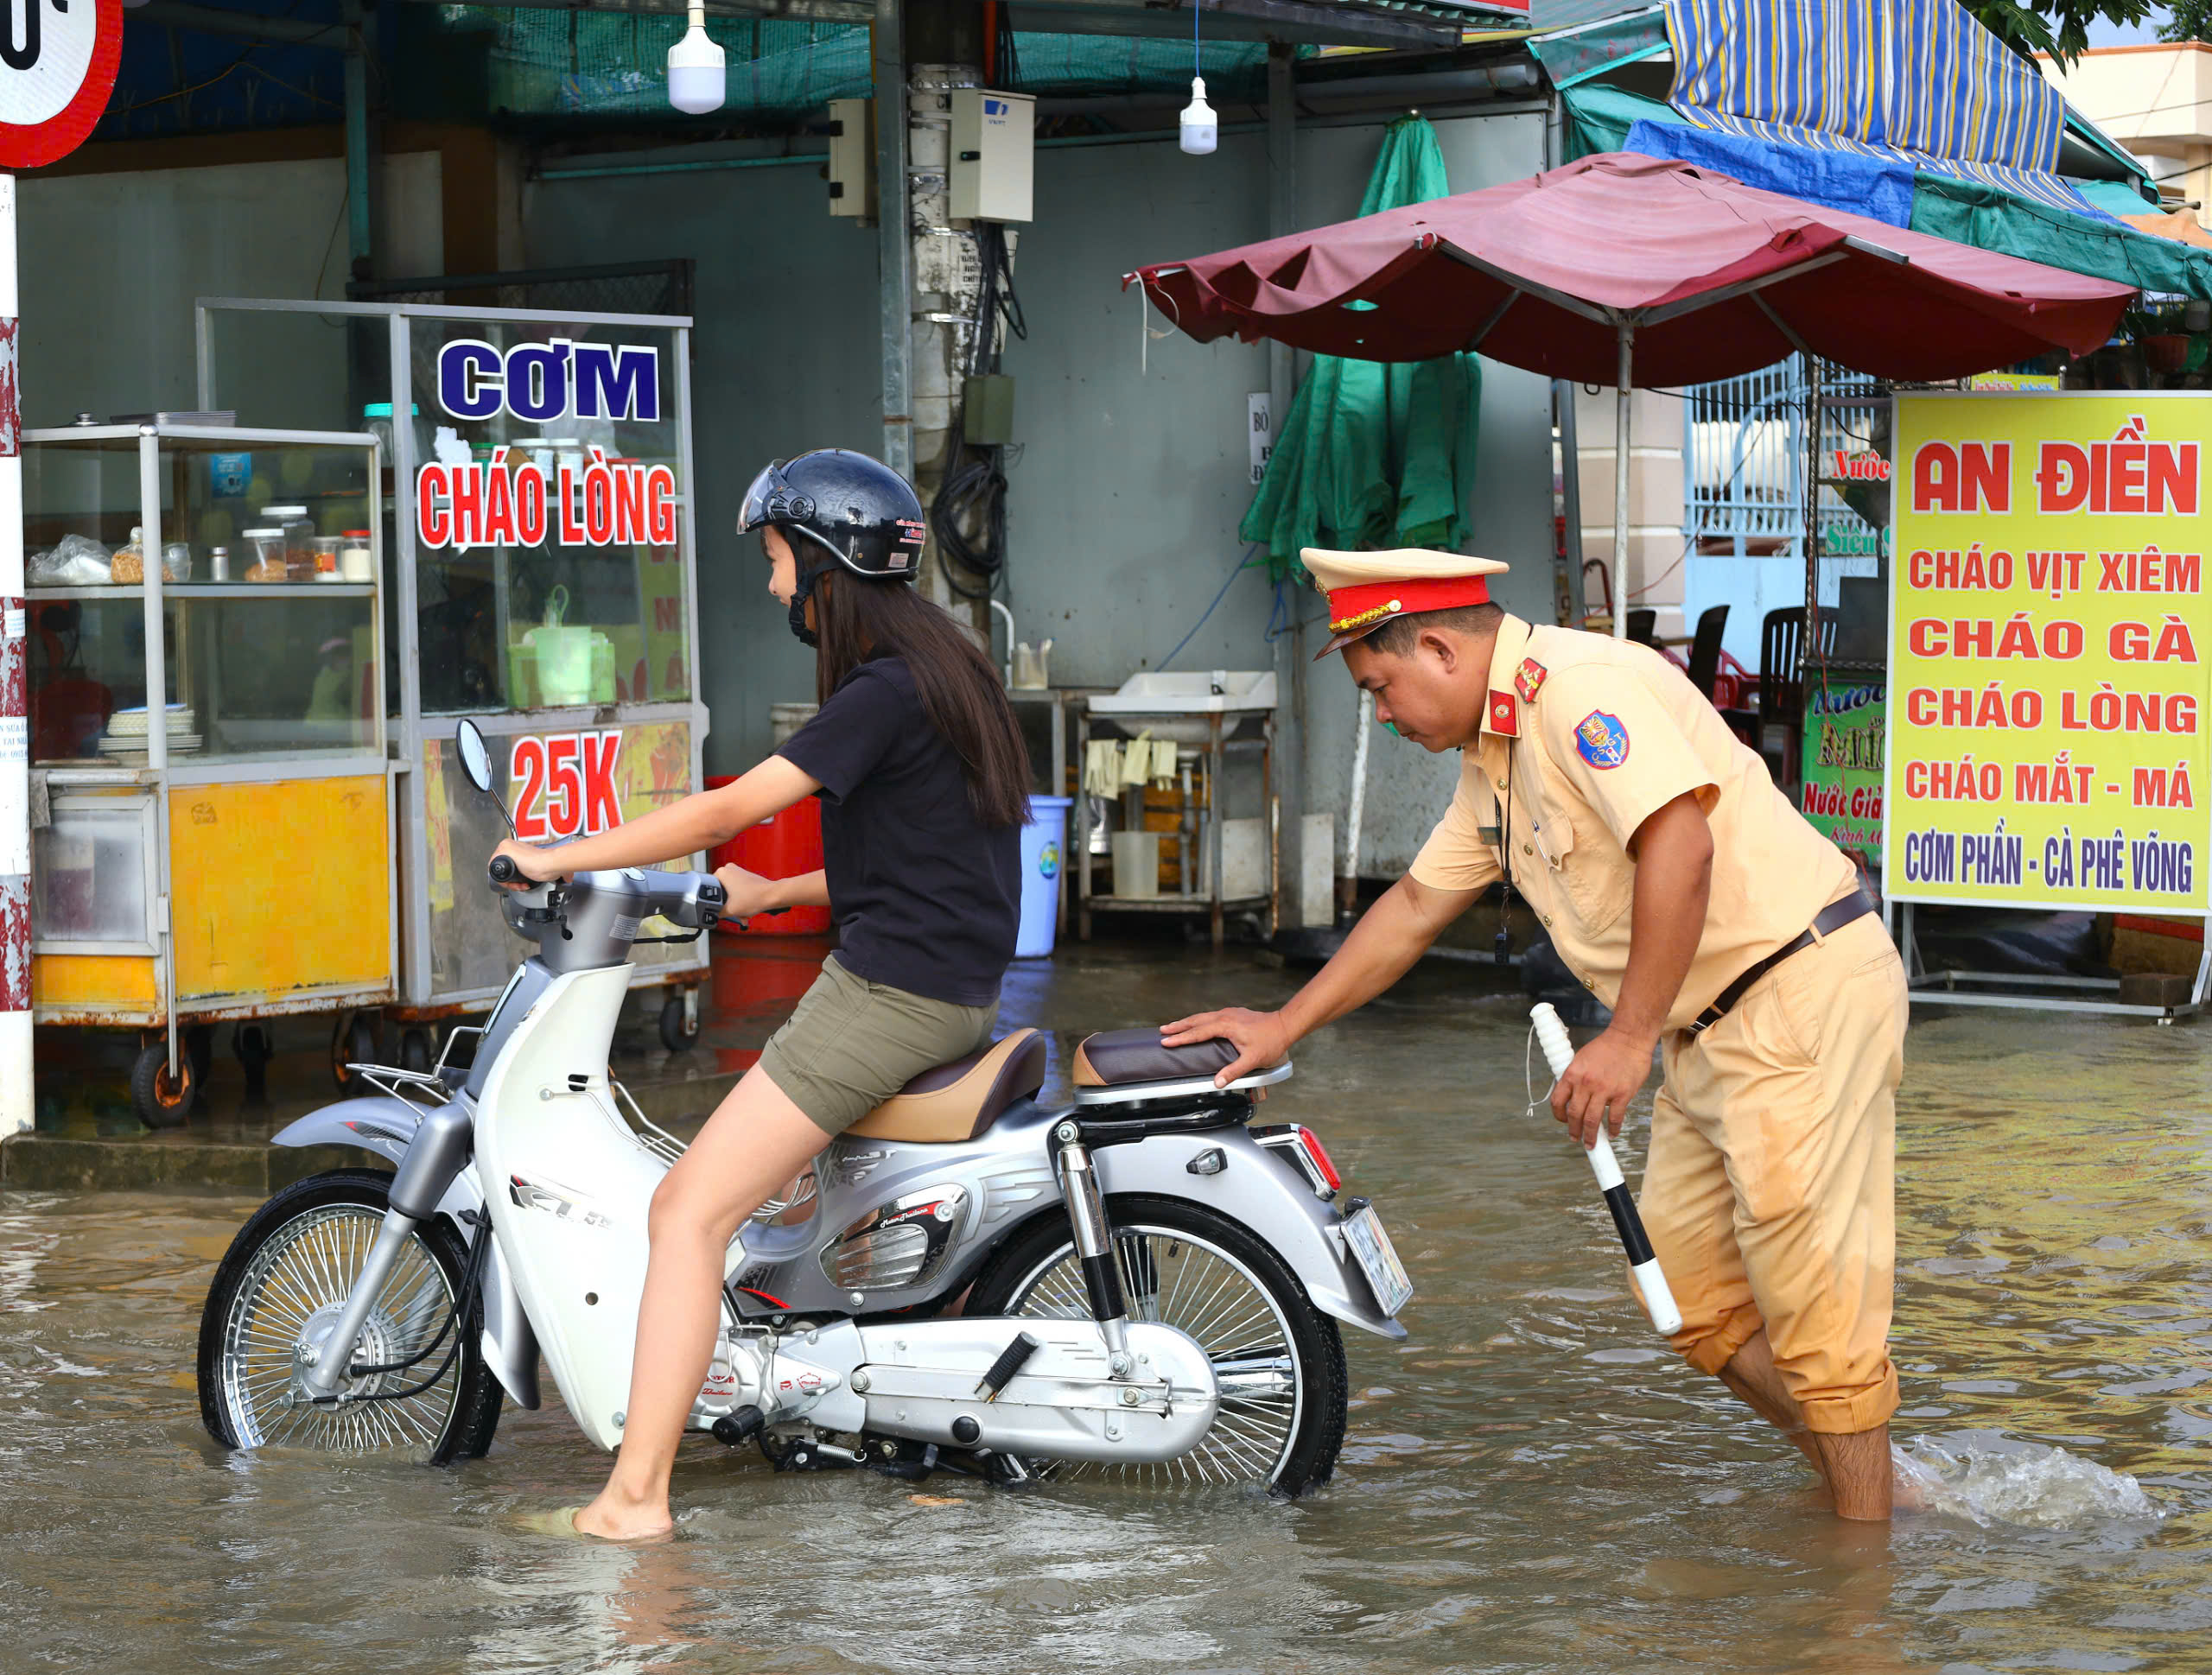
{"x":1686,"y":892}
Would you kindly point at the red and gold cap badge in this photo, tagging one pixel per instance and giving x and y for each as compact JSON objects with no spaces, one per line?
{"x":1366,"y":590}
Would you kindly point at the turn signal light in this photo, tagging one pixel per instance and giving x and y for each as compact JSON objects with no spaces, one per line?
{"x":1304,"y":1148}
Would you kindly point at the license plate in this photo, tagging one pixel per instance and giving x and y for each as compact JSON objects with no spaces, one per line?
{"x":1378,"y":1260}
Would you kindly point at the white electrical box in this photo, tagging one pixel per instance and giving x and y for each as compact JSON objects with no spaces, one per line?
{"x":852,"y":157}
{"x":994,"y":138}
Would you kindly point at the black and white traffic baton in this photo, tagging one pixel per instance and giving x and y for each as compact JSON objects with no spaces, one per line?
{"x":1559,"y":1053}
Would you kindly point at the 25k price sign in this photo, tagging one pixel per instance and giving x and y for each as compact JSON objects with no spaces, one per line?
{"x":2048,"y":637}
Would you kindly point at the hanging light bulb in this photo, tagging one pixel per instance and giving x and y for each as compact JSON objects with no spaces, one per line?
{"x":1201,"y":128}
{"x":694,"y":68}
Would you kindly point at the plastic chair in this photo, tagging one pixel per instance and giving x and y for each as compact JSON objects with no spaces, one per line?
{"x":1782,"y":685}
{"x":1643,"y":628}
{"x":1704,"y":649}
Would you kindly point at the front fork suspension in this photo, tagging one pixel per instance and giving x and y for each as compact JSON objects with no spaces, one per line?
{"x":1094,"y":1245}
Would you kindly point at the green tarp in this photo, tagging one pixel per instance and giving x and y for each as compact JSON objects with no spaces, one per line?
{"x":1374,"y":455}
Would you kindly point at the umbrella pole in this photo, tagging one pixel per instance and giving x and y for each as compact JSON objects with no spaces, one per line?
{"x":1620,"y":485}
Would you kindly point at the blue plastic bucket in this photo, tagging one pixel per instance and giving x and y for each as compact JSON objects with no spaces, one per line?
{"x":1044,"y":844}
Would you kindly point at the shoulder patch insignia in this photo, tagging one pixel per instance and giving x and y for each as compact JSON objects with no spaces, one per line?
{"x":1601,"y":740}
{"x":1530,"y":680}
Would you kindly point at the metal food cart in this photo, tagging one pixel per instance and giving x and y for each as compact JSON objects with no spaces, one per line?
{"x":222,"y":849}
{"x":537,"y":505}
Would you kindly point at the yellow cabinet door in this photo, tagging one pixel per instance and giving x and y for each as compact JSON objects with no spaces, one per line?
{"x":279,"y":888}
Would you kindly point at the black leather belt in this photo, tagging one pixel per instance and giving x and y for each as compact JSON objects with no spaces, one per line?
{"x":1829,"y":920}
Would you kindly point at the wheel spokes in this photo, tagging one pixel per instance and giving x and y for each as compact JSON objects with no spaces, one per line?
{"x":295,"y":1283}
{"x":1172,"y":1278}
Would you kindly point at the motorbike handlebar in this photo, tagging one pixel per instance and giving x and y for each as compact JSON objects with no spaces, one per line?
{"x":503,"y":870}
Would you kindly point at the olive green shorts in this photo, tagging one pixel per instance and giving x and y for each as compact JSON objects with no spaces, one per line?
{"x":850,"y":1044}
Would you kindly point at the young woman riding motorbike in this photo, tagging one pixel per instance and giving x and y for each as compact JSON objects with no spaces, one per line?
{"x":923,"y":776}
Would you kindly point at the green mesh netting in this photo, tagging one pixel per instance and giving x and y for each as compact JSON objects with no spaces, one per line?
{"x":548,"y":62}
{"x":1068,"y":63}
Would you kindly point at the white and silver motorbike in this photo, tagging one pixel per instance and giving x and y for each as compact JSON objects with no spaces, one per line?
{"x":1139,"y":1284}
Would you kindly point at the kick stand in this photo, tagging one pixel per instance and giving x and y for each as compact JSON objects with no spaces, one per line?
{"x":1941,"y":988}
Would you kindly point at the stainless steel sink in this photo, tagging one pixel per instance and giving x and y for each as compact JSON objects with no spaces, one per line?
{"x":1180,"y":707}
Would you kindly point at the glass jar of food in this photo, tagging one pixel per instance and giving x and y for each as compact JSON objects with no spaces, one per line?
{"x":356,"y":558}
{"x":299,"y":540}
{"x":264,"y":547}
{"x":326,"y":557}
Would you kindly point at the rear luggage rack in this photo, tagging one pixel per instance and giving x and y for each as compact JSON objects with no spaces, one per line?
{"x":1129,"y":1093}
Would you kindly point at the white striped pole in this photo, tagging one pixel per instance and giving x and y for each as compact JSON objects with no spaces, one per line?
{"x":16,"y":1099}
{"x":1559,"y":1053}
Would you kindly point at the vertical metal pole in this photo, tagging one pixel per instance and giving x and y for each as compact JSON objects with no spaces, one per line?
{"x":1815,"y":385}
{"x":1620,"y":482}
{"x":158,"y":652}
{"x":1570,"y":587}
{"x":357,"y":140}
{"x":894,"y":254}
{"x":1289,"y":647}
{"x":415,"y":827}
{"x":17,"y":1108}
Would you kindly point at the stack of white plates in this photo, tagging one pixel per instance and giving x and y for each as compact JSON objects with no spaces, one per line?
{"x":125,"y":738}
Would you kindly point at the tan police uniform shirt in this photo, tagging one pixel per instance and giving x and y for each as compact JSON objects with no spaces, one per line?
{"x":1594,"y":735}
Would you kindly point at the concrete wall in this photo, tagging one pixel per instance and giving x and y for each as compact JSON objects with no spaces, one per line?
{"x":111,"y":264}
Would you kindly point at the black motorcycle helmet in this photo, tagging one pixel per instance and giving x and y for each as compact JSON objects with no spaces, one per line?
{"x":834,"y":502}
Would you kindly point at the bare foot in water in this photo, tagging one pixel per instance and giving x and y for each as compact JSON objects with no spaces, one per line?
{"x":612,"y":1518}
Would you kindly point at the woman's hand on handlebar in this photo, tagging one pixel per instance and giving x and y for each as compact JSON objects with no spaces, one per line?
{"x":536,"y":865}
{"x":749,"y":893}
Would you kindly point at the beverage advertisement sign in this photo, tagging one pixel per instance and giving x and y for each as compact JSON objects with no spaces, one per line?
{"x":1846,"y":724}
{"x":2047,"y":741}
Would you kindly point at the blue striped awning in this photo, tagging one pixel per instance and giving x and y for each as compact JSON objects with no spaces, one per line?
{"x":1917,"y":82}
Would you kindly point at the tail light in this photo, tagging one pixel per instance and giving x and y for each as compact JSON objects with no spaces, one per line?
{"x":1303,"y":1147}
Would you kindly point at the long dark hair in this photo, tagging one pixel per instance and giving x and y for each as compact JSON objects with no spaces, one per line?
{"x":856,"y":620}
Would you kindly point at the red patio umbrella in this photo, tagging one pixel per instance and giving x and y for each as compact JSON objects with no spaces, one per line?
{"x":1636,"y":270}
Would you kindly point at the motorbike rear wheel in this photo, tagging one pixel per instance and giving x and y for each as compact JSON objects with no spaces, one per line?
{"x":1279,"y":1360}
{"x":286,"y":1274}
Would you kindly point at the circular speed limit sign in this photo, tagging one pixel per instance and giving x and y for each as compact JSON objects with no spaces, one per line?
{"x":57,"y":66}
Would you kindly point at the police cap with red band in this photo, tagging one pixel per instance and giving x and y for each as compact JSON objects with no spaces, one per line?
{"x":1366,"y":590}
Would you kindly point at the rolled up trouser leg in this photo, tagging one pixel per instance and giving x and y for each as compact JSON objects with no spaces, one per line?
{"x":1794,"y":1095}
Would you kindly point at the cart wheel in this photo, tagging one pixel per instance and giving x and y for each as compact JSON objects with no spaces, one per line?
{"x":677,"y":1034}
{"x":415,"y":1054}
{"x":353,"y":1042}
{"x":251,"y":1043}
{"x":162,"y":1101}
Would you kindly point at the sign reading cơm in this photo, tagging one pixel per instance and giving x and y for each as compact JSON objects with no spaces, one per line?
{"x":2048,"y":690}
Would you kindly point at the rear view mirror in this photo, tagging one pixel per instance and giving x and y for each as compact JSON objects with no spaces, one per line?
{"x":476,"y":763}
{"x":475,"y":759}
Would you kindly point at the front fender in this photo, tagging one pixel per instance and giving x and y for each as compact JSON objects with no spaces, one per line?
{"x":381,"y":1123}
{"x":385,"y":1124}
{"x":1256,"y":1188}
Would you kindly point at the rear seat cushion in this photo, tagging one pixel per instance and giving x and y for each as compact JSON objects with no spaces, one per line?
{"x":1114,"y":1058}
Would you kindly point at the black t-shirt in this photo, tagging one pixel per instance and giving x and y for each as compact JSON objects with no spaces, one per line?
{"x":926,"y":897}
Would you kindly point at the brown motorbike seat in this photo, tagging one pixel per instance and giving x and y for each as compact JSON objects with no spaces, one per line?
{"x":960,"y":1101}
{"x":1117,"y":1058}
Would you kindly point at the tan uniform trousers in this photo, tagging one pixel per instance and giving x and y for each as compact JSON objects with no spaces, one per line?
{"x":1769,"y":1188}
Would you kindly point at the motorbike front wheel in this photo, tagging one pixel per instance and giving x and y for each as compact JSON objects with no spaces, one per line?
{"x":282,"y":1284}
{"x":1280,"y":1362}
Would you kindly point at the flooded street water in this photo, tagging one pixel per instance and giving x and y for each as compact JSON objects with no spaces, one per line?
{"x":1531,"y":1482}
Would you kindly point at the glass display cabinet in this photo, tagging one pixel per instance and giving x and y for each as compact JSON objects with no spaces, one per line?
{"x":212,"y":823}
{"x":534,"y":494}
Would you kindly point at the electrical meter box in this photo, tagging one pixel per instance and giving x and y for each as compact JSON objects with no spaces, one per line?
{"x":852,"y":157}
{"x":992,"y":142}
